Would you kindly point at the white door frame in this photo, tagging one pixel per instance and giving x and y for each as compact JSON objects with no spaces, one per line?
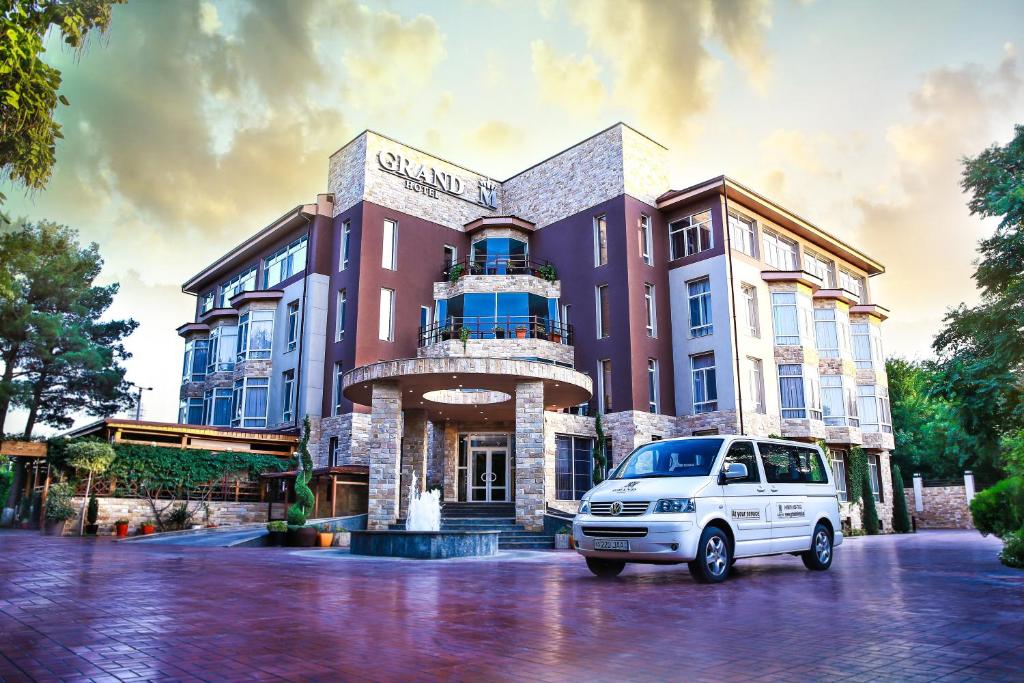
{"x":471,"y":474}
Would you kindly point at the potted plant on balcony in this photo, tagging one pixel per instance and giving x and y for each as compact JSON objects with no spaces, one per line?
{"x":92,"y":513}
{"x":455,"y":272}
{"x":562,"y":538}
{"x":499,"y":332}
{"x":147,"y":528}
{"x":464,"y":337}
{"x":521,"y":332}
{"x":325,"y":536}
{"x":277,"y":532}
{"x":58,"y":509}
{"x":556,"y":335}
{"x":299,"y":534}
{"x":121,"y":528}
{"x":548,"y":272}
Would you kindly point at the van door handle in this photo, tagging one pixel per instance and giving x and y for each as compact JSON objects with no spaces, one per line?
{"x":774,"y":489}
{"x":760,"y":488}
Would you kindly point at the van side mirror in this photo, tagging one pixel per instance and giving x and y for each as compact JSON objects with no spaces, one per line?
{"x":733,"y":470}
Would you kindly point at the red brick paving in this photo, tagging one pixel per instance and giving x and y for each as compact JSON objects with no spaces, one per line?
{"x":933,"y":607}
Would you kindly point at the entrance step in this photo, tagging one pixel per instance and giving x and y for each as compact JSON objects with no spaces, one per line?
{"x":463,"y":510}
{"x":532,"y":542}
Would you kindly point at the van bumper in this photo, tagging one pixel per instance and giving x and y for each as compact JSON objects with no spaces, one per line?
{"x":665,"y":541}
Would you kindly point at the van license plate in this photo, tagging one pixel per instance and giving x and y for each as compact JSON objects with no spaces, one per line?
{"x":610,"y":544}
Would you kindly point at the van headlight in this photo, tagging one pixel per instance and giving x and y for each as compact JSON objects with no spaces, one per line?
{"x":675,"y":505}
{"x":585,"y":505}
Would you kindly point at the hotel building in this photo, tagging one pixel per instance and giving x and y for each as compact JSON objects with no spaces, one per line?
{"x":432,"y":321}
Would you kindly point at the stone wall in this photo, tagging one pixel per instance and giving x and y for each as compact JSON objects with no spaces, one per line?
{"x":500,"y":348}
{"x":137,"y":511}
{"x":945,"y":507}
{"x":529,"y":458}
{"x":385,"y":443}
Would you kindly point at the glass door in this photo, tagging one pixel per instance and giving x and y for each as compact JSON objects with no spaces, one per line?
{"x":488,"y":463}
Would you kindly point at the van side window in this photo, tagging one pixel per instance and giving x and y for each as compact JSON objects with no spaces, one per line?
{"x":743,"y":452}
{"x":786,"y":464}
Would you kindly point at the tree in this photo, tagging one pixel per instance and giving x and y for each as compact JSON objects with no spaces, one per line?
{"x":93,"y":457}
{"x":981,"y":348}
{"x":600,"y":457}
{"x":299,"y":511}
{"x":58,"y":357}
{"x":28,"y":85}
{"x":900,"y":514}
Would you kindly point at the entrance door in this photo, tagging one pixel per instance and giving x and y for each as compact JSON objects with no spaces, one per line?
{"x":488,"y":469}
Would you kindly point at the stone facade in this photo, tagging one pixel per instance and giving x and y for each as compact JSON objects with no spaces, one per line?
{"x":415,"y":440}
{"x":499,"y":348}
{"x":137,"y":511}
{"x":491,"y":284}
{"x":353,"y":433}
{"x":384,"y":450}
{"x":529,"y":458}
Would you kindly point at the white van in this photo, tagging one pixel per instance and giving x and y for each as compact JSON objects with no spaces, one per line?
{"x":708,"y":501}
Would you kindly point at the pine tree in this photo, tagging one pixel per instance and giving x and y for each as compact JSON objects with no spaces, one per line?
{"x":900,"y":515}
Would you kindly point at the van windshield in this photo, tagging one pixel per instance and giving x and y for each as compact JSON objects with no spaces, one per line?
{"x":686,"y":458}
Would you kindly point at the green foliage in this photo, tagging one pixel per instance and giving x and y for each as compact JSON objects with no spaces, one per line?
{"x":548,"y":272}
{"x":869,"y":512}
{"x":92,"y":512}
{"x":900,"y":514}
{"x":299,"y":510}
{"x":999,"y":509}
{"x":981,"y":348}
{"x":28,"y":85}
{"x":177,"y":469}
{"x":277,"y":526}
{"x":179,"y":517}
{"x":600,"y":458}
{"x":6,"y":477}
{"x":857,"y":475}
{"x":464,"y":337}
{"x":455,"y":272}
{"x":58,"y":503}
{"x":90,"y":456}
{"x":1012,"y":554}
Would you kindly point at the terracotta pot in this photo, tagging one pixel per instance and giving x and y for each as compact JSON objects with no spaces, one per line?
{"x":521,"y":334}
{"x":276,"y":538}
{"x":54,"y":528}
{"x":121,"y":530}
{"x":92,"y":529}
{"x":557,"y":338}
{"x":147,"y":529}
{"x":325,"y":538}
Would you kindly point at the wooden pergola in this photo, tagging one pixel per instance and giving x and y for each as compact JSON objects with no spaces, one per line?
{"x":338,"y":491}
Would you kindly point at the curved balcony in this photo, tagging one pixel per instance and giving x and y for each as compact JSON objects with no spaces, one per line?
{"x":497,"y":327}
{"x":498,"y":264}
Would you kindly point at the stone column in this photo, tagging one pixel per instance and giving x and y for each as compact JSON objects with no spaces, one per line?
{"x":414,"y":455}
{"x":530,"y":455}
{"x":969,"y":485}
{"x":451,"y":462}
{"x":918,"y":488}
{"x":384,"y":447}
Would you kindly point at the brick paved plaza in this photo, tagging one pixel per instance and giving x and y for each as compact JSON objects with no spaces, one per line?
{"x":936,"y":606}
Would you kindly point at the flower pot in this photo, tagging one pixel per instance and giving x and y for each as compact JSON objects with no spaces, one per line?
{"x":561,"y":541}
{"x":92,"y":529}
{"x":325,"y":538}
{"x":521,"y":333}
{"x":147,"y":529}
{"x":121,"y":530}
{"x":342,"y":539}
{"x":557,"y":338}
{"x":54,"y":527}
{"x":302,"y":537}
{"x":276,"y":538}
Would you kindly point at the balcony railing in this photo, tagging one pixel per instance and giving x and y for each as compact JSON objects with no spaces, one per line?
{"x":498,"y":264}
{"x":497,"y":327}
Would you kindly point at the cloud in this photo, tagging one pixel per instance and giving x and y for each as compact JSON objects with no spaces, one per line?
{"x":497,"y":137}
{"x":570,"y":82}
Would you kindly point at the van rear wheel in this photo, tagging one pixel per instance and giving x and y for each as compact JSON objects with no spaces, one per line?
{"x":819,"y":557}
{"x":606,"y":569}
{"x":714,"y":557}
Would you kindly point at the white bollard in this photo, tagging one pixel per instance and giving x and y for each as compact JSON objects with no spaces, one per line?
{"x":969,"y":485}
{"x":918,"y":501}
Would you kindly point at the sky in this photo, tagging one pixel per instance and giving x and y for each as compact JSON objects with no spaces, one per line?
{"x":193,"y":124}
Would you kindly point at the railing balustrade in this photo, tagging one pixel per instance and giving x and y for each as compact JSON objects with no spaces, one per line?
{"x":497,"y":264}
{"x":497,"y":327}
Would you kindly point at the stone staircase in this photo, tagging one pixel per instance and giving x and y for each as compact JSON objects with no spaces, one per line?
{"x":499,"y":517}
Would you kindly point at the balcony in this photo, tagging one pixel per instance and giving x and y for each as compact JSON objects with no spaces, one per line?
{"x":498,"y":264}
{"x":510,"y":327}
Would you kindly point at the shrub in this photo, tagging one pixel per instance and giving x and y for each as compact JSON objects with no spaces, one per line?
{"x":297,"y":513}
{"x":1012,"y":554}
{"x":869,"y":511}
{"x":58,"y":503}
{"x":92,"y":513}
{"x":999,"y":510}
{"x":277,"y":526}
{"x":179,"y":516}
{"x":900,"y":514}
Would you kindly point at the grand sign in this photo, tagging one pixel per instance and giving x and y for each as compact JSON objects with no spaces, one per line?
{"x":428,"y":180}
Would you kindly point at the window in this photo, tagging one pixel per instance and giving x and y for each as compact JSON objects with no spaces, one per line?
{"x":249,"y":402}
{"x":788,"y":464}
{"x":195,"y":365}
{"x":243,"y":282}
{"x":744,"y":235}
{"x":338,"y":372}
{"x":566,"y":310}
{"x":756,"y":382}
{"x":690,"y":235}
{"x":780,"y":252}
{"x":742,"y":452}
{"x":600,"y":240}
{"x":876,"y":489}
{"x":191,"y":412}
{"x":339,"y":315}
{"x":652,"y":324}
{"x":223,"y":349}
{"x":838,"y":403}
{"x":873,"y":406}
{"x":705,"y":388}
{"x":424,"y":318}
{"x":646,"y":239}
{"x":786,"y":319}
{"x":699,"y":297}
{"x":217,"y":407}
{"x":853,"y":283}
{"x":816,"y":264}
{"x":867,"y":345}
{"x":332,"y":451}
{"x":753,"y":318}
{"x":604,"y":385}
{"x":206,"y":303}
{"x":799,"y":394}
{"x":689,"y":458}
{"x":602,"y":311}
{"x":255,"y":334}
{"x":574,"y":463}
{"x":288,"y":399}
{"x":346,"y":240}
{"x":389,"y":251}
{"x":652,"y":385}
{"x":284,"y":263}
{"x":838,"y":459}
{"x":293,"y":325}
{"x":451,"y":255}
{"x":386,"y":326}
{"x":830,"y":332}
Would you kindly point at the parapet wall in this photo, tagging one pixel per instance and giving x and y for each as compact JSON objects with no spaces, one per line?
{"x":137,"y":511}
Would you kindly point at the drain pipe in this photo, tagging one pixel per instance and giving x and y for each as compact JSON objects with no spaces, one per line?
{"x":732,"y":297}
{"x":302,"y":323}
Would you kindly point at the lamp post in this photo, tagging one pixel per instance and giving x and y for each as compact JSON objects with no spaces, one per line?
{"x":138,"y":401}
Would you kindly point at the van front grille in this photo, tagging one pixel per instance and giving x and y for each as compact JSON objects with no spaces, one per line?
{"x":615,"y":531}
{"x":630,"y":508}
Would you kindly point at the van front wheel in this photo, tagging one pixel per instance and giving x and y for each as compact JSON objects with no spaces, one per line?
{"x":819,"y":557}
{"x":714,"y":558}
{"x":606,"y":569}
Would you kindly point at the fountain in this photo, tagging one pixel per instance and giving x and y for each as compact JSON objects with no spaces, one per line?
{"x":422,"y":537}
